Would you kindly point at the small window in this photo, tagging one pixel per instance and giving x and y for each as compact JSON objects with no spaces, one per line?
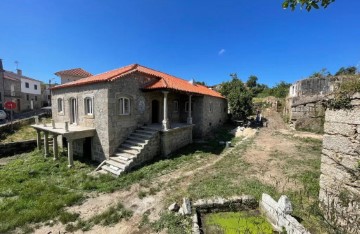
{"x":176,"y":106}
{"x":35,"y":86}
{"x":26,"y":85}
{"x":124,"y":106}
{"x":27,"y":97}
{"x":60,"y":105}
{"x":88,"y":106}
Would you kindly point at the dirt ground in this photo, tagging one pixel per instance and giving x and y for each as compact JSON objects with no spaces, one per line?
{"x":260,"y":156}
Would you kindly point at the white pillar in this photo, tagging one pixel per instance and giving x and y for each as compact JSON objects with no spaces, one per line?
{"x":46,"y":144}
{"x":189,"y":118}
{"x":165,"y":121}
{"x":70,"y":153}
{"x":38,"y":139}
{"x":55,"y":146}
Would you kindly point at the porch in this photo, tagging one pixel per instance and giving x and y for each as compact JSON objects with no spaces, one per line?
{"x":53,"y":130}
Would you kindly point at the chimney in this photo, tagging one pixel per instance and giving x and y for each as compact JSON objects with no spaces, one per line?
{"x":19,"y":72}
{"x":1,"y":66}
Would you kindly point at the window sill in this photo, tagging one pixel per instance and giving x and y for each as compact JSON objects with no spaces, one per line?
{"x":89,"y":116}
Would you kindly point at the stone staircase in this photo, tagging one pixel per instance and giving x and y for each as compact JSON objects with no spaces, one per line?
{"x":128,"y":152}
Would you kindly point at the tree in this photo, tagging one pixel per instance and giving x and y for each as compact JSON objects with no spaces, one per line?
{"x":321,"y":74}
{"x":346,"y":71}
{"x":308,"y":4}
{"x":239,"y":97}
{"x":251,"y":82}
{"x":281,"y":89}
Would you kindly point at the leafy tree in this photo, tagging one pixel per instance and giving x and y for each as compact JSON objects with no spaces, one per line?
{"x":239,"y":97}
{"x":346,"y":71}
{"x":308,"y":4}
{"x":321,"y":74}
{"x":281,"y":89}
{"x":251,"y":82}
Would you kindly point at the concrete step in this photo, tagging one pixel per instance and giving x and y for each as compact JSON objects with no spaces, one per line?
{"x":135,"y":142}
{"x":122,"y":159}
{"x":131,"y":146}
{"x":128,"y":151}
{"x":113,"y":170}
{"x":137,"y":139}
{"x":146,"y":132}
{"x":124,"y":155}
{"x":149,"y":129}
{"x":116,"y":164}
{"x":140,"y":135}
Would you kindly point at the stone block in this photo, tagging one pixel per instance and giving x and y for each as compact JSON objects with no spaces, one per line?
{"x":343,"y":116}
{"x":339,"y":128}
{"x":186,"y":206}
{"x":339,"y":144}
{"x":285,"y":205}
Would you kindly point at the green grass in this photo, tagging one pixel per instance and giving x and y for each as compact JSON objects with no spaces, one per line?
{"x":237,"y":222}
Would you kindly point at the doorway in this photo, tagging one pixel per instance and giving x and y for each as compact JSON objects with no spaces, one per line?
{"x":155,"y":111}
{"x":87,"y":148}
{"x":73,"y":111}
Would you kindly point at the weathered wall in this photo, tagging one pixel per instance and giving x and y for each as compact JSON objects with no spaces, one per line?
{"x":340,"y":168}
{"x":9,"y":149}
{"x":309,"y":117}
{"x":174,"y":139}
{"x":99,"y":120}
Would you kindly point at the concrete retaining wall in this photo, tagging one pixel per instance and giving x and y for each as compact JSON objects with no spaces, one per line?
{"x":10,"y":149}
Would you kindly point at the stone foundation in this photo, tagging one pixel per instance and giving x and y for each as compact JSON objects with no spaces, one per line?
{"x":175,"y":138}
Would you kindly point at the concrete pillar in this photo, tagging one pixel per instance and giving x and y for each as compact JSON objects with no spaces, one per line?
{"x":70,"y":153}
{"x":55,"y":147}
{"x":189,"y":118}
{"x":38,"y":139}
{"x":53,"y":123}
{"x":36,"y":119}
{"x":66,"y":126}
{"x":46,"y":144}
{"x":165,"y":121}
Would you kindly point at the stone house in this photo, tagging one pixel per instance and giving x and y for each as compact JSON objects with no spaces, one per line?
{"x":129,"y":115}
{"x":23,"y":90}
{"x":72,"y":75}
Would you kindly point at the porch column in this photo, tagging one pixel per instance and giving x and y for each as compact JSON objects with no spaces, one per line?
{"x":55,"y":146}
{"x":38,"y":139}
{"x":46,"y":143}
{"x":165,"y":121}
{"x":70,"y":153}
{"x":189,"y":118}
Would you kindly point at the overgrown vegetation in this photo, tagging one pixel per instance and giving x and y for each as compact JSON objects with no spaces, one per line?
{"x":342,"y":95}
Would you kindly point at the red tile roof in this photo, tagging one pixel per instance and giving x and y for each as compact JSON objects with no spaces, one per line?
{"x":165,"y":81}
{"x":78,"y":72}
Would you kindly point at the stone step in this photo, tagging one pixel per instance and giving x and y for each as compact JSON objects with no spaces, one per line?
{"x":128,"y":151}
{"x":116,"y":164}
{"x":140,"y":135}
{"x":131,"y":146}
{"x":138,"y":139}
{"x":115,"y":171}
{"x":122,"y":159}
{"x":149,"y":129}
{"x":146,"y":132}
{"x":135,"y":142}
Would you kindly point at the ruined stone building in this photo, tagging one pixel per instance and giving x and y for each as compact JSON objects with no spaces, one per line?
{"x":129,"y":115}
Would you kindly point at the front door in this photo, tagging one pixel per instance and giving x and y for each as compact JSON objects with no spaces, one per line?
{"x":155,"y":111}
{"x":73,"y":111}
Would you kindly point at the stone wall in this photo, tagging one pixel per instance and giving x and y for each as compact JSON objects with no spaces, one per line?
{"x":308,"y":116}
{"x":175,"y":138}
{"x":340,"y":168}
{"x":9,"y":149}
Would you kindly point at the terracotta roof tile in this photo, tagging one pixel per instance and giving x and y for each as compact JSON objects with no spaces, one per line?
{"x":165,"y":81}
{"x":78,"y":72}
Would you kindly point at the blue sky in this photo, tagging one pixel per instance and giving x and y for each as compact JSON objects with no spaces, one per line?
{"x":203,"y":40}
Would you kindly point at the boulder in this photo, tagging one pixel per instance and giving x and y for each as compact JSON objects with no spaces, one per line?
{"x":186,"y":206}
{"x":285,"y":205}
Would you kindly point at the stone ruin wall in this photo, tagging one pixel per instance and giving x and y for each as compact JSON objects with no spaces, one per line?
{"x":340,"y":168}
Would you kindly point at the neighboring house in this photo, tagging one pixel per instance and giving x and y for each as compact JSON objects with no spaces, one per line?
{"x":129,"y":115}
{"x":72,"y":75}
{"x":23,"y":90}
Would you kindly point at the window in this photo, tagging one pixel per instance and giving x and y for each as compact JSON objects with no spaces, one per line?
{"x":88,"y":102}
{"x":35,"y":98}
{"x":27,"y":97}
{"x":26,"y":85}
{"x":124,"y":106}
{"x":35,"y":86}
{"x":176,"y":106}
{"x":60,"y":105}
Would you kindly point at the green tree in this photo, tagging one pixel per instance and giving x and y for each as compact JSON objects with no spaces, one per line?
{"x":321,"y":74}
{"x":308,"y":4}
{"x":281,"y":89}
{"x":251,"y":82}
{"x":239,"y":97}
{"x":346,"y":71}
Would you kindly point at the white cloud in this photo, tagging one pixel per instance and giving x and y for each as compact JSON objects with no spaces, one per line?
{"x":222,"y":51}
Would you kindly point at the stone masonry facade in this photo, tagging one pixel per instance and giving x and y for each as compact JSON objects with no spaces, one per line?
{"x":340,"y":168}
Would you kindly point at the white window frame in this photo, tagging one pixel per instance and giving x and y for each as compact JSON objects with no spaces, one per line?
{"x":89,"y":109}
{"x":60,"y":105}
{"x":122,"y":106}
